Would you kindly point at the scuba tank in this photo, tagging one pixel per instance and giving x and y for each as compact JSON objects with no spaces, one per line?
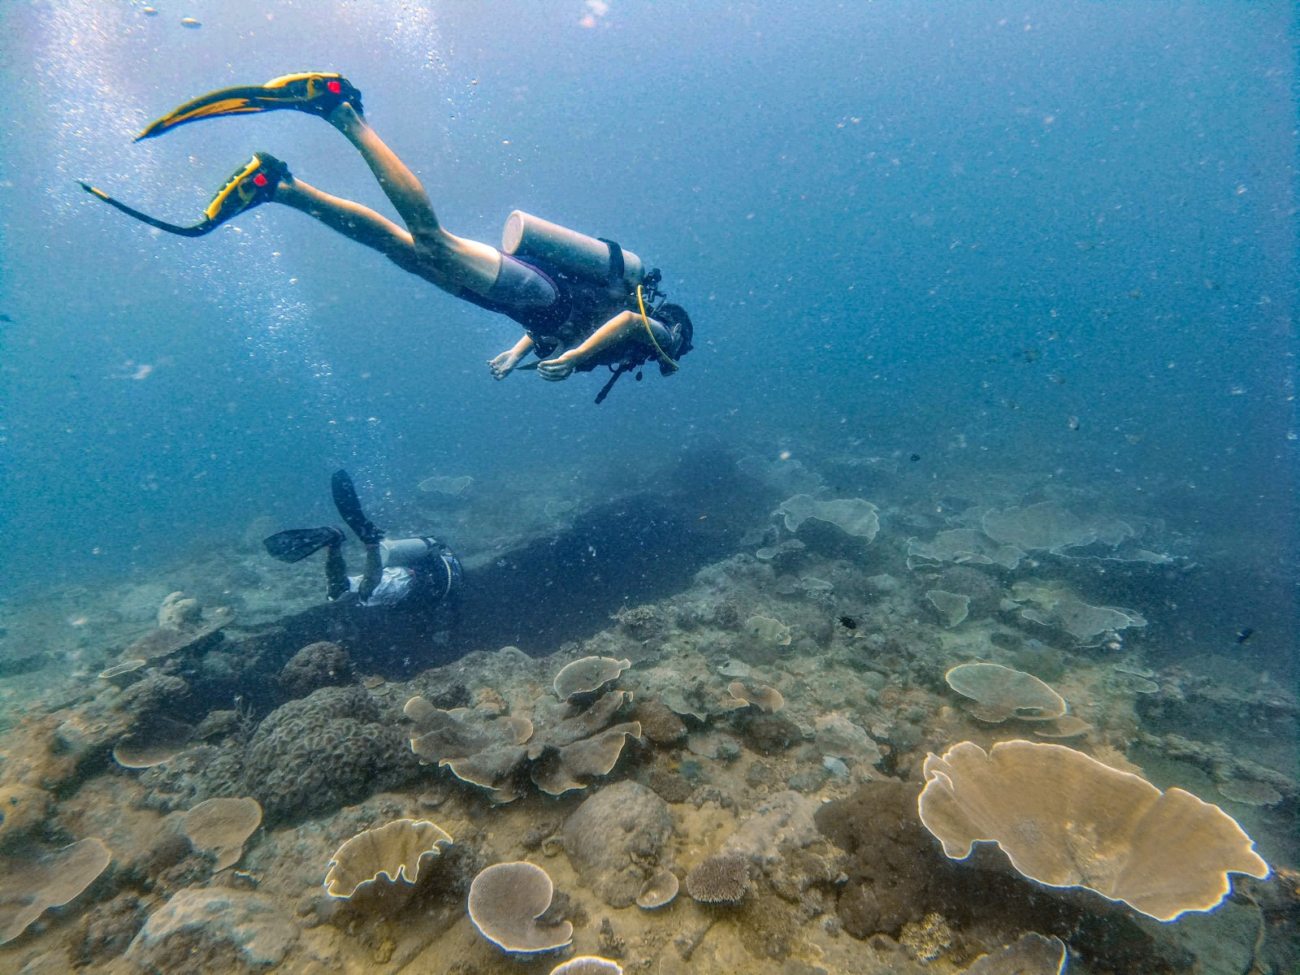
{"x":598,"y":262}
{"x":407,"y":553}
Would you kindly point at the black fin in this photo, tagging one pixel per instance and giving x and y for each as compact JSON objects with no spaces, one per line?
{"x":296,"y":544}
{"x":349,"y":508}
{"x":198,"y":230}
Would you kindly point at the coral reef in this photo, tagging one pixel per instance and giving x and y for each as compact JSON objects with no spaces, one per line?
{"x":23,"y":809}
{"x":33,"y":885}
{"x":221,"y":827}
{"x":953,"y":607}
{"x":1050,"y":527}
{"x":320,"y":752}
{"x":317,"y":665}
{"x":152,"y":742}
{"x":107,"y":930}
{"x":1067,"y":820}
{"x":659,"y":723}
{"x":753,"y":694}
{"x":894,"y":875}
{"x":1057,"y":607}
{"x":506,"y":902}
{"x":214,"y":929}
{"x":1030,"y":954}
{"x":962,"y":546}
{"x":586,"y":675}
{"x":184,"y":631}
{"x":719,"y":879}
{"x":852,"y":516}
{"x":617,"y":838}
{"x":658,"y":891}
{"x":388,"y":855}
{"x":1001,"y":692}
{"x":563,"y":747}
{"x":588,"y":965}
{"x":783,"y":693}
{"x":179,"y":612}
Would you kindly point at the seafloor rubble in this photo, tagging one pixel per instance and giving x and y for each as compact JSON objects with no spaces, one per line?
{"x":763,"y":757}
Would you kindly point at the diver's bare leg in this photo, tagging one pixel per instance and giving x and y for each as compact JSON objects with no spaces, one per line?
{"x":353,"y":220}
{"x":463,"y":263}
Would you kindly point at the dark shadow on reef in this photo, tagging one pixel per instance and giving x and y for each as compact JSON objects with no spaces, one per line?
{"x":552,"y":590}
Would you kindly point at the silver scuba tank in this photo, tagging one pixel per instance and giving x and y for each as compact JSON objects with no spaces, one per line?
{"x":525,"y":236}
{"x":405,"y":553}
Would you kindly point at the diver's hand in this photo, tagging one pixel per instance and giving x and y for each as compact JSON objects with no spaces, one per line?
{"x":502,"y":365}
{"x":561,"y":367}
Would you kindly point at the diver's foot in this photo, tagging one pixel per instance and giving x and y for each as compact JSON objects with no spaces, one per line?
{"x":251,"y":184}
{"x":348,"y":506}
{"x":296,"y":544}
{"x":314,"y":92}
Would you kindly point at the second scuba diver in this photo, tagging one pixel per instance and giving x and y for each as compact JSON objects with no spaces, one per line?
{"x":412,"y":574}
{"x":582,"y":301}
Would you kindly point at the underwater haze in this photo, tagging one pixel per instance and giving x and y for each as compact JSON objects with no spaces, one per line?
{"x":974,"y":266}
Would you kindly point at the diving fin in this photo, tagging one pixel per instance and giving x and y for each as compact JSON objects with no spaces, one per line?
{"x":253,"y":183}
{"x":296,"y":544}
{"x":314,"y":92}
{"x":198,"y":230}
{"x":349,"y":508}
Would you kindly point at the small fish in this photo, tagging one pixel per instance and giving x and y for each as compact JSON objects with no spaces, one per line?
{"x":1072,"y":423}
{"x":1031,"y":355}
{"x":5,"y":318}
{"x":848,"y":622}
{"x":191,"y":23}
{"x":1244,"y":634}
{"x":914,"y":457}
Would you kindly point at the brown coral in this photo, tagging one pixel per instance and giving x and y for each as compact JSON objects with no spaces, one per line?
{"x":893,"y":877}
{"x":32,"y":886}
{"x":587,"y":675}
{"x":1066,"y":820}
{"x":720,"y":879}
{"x":317,"y":665}
{"x":562,"y":751}
{"x":1000,"y":693}
{"x":392,"y":854}
{"x":221,"y":826}
{"x":506,"y":902}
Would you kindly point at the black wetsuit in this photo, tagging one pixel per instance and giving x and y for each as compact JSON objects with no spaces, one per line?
{"x":558,"y":310}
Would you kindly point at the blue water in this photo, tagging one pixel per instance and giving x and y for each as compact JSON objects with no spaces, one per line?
{"x":1051,"y":242}
{"x":878,"y":214}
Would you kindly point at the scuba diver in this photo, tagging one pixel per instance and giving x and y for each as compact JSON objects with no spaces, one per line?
{"x":582,"y":301}
{"x":412,"y":574}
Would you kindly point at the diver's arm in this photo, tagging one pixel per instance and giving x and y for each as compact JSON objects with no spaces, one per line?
{"x":623,"y":326}
{"x":505,"y":363}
